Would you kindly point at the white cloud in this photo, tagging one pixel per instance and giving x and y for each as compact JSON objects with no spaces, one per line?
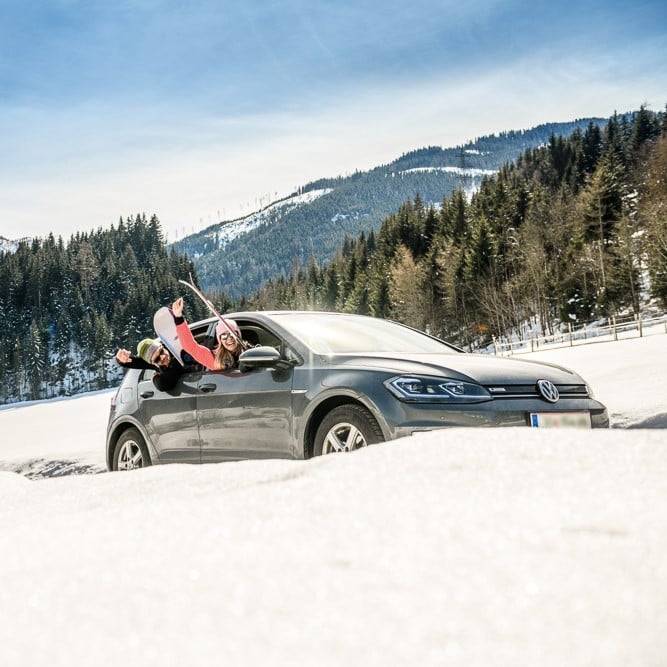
{"x":83,"y":168}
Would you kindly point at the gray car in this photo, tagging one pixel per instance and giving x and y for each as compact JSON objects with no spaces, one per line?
{"x":318,"y":382}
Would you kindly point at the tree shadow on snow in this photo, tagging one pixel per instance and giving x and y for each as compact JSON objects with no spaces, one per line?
{"x":45,"y":469}
{"x":655,"y":421}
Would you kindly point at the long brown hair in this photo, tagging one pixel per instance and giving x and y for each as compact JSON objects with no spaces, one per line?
{"x":226,"y":359}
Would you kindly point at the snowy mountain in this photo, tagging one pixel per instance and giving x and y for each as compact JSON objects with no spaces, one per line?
{"x":219,"y":236}
{"x":238,"y":256}
{"x":7,"y":245}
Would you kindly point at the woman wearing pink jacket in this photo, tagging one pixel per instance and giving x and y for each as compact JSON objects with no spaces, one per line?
{"x":228,"y":336}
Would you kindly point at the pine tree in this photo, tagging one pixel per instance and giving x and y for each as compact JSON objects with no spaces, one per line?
{"x":35,"y":360}
{"x":331,"y":283}
{"x":405,"y":291}
{"x":602,"y":212}
{"x":644,"y":128}
{"x":653,"y":210}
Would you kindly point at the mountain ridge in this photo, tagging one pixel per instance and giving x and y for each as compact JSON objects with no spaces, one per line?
{"x":238,"y":256}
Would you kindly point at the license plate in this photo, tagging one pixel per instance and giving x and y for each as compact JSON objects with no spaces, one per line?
{"x":560,"y":420}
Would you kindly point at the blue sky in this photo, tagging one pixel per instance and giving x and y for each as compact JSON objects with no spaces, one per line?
{"x":196,"y":110}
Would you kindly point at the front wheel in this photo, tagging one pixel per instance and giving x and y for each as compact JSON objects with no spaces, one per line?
{"x":131,"y":451}
{"x":346,"y":428}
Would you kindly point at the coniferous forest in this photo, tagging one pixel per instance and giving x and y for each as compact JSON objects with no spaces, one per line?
{"x":67,"y":307}
{"x":571,"y":231}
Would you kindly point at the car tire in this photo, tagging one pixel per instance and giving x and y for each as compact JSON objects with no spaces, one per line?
{"x":131,"y":451}
{"x":346,"y":428}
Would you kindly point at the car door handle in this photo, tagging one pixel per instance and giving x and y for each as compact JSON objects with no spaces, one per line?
{"x":206,"y":388}
{"x":146,"y":394}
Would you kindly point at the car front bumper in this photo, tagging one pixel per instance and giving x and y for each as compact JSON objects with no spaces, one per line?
{"x":406,"y":419}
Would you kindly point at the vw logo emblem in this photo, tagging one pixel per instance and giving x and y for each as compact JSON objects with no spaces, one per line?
{"x":548,"y":390}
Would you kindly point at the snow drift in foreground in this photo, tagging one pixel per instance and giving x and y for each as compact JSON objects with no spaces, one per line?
{"x":458,"y":547}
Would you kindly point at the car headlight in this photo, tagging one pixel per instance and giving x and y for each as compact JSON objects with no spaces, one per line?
{"x":420,"y":389}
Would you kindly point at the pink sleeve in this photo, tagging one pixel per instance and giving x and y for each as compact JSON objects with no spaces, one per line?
{"x":198,"y":352}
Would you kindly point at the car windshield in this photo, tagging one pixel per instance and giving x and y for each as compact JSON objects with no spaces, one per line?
{"x":331,"y":333}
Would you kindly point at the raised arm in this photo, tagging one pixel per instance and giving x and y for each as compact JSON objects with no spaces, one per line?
{"x":199,"y":353}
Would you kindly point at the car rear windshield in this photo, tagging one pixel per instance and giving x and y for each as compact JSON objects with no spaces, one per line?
{"x":326,"y":333}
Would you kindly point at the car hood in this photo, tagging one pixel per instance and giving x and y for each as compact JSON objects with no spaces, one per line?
{"x":481,"y":368}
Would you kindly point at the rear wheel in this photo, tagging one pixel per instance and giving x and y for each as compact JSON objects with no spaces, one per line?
{"x":131,"y":451}
{"x":346,"y":428}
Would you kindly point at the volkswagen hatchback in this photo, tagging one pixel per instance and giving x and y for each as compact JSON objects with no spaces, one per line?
{"x":318,"y":382}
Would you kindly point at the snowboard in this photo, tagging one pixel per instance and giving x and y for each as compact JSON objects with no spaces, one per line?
{"x":163,"y":323}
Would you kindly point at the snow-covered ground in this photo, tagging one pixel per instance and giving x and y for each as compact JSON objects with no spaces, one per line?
{"x":461,"y":171}
{"x":461,"y":547}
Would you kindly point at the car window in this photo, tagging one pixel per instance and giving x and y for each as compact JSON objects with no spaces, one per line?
{"x":329,"y":333}
{"x":205,"y":335}
{"x":290,"y":355}
{"x":146,"y":374}
{"x":257,"y":335}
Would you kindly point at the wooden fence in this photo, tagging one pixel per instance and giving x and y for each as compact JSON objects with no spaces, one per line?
{"x":613,"y":329}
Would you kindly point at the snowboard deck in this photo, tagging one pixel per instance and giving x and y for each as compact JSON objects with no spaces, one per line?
{"x":165,"y":328}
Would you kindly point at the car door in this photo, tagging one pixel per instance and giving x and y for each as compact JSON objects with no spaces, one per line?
{"x":245,"y":415}
{"x":170,"y":417}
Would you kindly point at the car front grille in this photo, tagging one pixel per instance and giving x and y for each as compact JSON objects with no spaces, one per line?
{"x":530,"y":390}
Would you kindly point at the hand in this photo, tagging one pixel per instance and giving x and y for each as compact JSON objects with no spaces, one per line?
{"x":177,"y":307}
{"x":123,"y":356}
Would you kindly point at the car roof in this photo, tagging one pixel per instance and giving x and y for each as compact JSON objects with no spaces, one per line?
{"x":270,"y":314}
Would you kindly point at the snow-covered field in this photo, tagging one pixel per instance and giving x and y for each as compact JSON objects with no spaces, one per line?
{"x":460,"y":547}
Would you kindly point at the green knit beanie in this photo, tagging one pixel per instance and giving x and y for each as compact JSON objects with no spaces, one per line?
{"x":147,"y":348}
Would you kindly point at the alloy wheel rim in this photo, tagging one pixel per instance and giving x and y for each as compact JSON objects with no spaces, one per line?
{"x":343,"y":437}
{"x":130,"y":456}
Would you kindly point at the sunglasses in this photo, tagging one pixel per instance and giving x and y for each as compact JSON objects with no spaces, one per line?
{"x":225,"y":336}
{"x":160,"y":352}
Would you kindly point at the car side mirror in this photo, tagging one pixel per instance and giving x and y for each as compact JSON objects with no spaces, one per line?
{"x":262,"y":356}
